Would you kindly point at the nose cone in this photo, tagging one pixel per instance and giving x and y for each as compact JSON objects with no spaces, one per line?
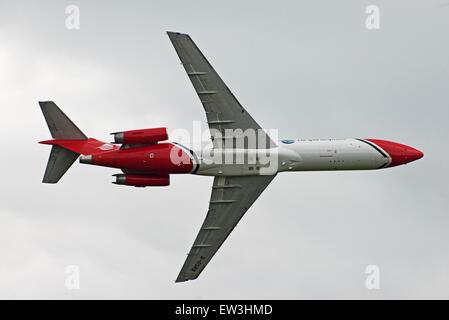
{"x":399,"y":153}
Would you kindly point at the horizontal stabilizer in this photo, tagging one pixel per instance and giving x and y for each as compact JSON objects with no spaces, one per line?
{"x":60,"y":126}
{"x":59,"y":162}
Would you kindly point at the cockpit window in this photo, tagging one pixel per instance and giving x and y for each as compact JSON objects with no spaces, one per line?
{"x":287,"y":141}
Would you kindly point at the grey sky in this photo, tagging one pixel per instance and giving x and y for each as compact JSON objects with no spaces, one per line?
{"x":309,"y":68}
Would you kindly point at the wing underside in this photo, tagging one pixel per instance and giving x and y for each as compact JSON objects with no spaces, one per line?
{"x":231,"y":197}
{"x":223,"y":111}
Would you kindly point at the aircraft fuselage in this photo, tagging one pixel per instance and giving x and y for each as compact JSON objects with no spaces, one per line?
{"x":307,"y":155}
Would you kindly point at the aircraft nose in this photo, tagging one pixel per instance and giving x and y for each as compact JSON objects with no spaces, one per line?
{"x":399,"y":153}
{"x":417,"y":154}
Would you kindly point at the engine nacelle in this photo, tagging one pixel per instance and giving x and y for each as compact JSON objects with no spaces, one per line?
{"x":142,"y":136}
{"x":142,"y":180}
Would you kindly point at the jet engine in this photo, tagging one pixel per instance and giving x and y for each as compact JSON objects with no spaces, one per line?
{"x":142,"y":136}
{"x":142,"y":180}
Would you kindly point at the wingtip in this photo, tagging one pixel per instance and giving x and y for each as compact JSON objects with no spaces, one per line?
{"x":45,"y":104}
{"x":49,"y":181}
{"x":173,"y":33}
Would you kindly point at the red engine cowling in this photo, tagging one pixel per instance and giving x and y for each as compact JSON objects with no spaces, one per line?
{"x":141,"y":180}
{"x":142,"y":136}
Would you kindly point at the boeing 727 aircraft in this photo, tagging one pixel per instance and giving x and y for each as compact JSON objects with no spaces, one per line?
{"x":242,"y":158}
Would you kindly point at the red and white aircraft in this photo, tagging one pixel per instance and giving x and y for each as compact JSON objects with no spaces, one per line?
{"x":243,"y":159}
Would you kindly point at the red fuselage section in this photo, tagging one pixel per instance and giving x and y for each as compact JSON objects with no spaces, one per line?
{"x":154,"y":158}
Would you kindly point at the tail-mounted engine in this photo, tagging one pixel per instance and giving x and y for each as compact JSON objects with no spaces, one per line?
{"x":143,"y":153}
{"x":142,"y":180}
{"x":143,"y":136}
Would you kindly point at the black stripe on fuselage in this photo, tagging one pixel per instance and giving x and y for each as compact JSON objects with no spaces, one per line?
{"x":197,"y":163}
{"x":375,"y":147}
{"x":383,"y":166}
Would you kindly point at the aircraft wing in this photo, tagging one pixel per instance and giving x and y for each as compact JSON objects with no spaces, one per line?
{"x":223,"y":111}
{"x":231,"y":197}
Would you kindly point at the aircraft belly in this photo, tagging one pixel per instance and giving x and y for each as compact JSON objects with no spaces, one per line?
{"x":348,"y":154}
{"x":302,"y":155}
{"x":229,"y":170}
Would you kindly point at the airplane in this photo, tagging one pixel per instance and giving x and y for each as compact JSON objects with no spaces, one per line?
{"x":242,"y":157}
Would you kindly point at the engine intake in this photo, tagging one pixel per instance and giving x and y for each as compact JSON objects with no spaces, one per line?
{"x":142,"y":180}
{"x":141,"y":136}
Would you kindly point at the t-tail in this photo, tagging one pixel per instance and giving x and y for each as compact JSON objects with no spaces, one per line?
{"x":67,"y":144}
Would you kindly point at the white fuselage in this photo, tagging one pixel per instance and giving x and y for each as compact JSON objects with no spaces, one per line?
{"x":293,"y":155}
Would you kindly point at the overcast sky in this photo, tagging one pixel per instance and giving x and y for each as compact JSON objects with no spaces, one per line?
{"x":309,"y":68}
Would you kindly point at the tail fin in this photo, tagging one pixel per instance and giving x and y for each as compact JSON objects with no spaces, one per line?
{"x":61,"y":127}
